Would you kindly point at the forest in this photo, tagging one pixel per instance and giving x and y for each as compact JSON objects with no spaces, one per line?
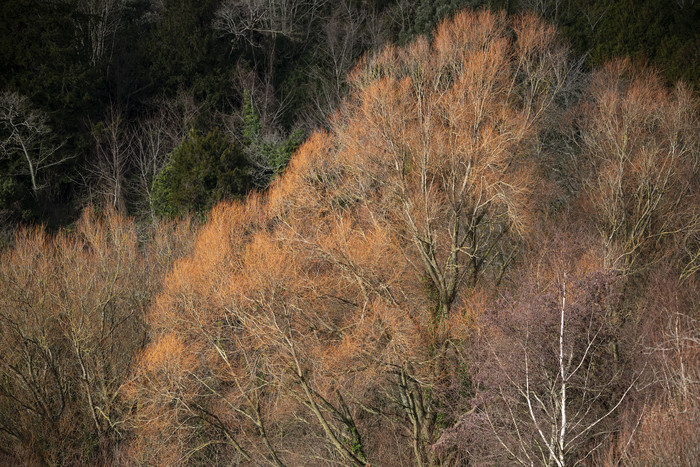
{"x":363,"y":232}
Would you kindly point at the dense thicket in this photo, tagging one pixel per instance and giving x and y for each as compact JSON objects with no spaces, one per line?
{"x":72,"y":319}
{"x":412,"y":291}
{"x":488,"y":254}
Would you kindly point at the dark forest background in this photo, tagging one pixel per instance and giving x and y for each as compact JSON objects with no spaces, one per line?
{"x":158,"y":107}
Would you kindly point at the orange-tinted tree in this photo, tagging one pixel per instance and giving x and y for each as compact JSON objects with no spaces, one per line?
{"x":443,"y":134}
{"x":313,"y":325}
{"x":71,"y":317}
{"x":641,"y":154}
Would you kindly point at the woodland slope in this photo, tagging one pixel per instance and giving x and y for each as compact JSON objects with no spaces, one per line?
{"x":489,"y":257}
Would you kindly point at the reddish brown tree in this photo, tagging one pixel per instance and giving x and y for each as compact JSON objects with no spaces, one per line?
{"x":642,"y":153}
{"x":314,"y":325}
{"x":71,"y":322}
{"x":550,"y":379}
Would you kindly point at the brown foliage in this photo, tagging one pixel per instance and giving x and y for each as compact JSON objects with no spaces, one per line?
{"x":642,"y":151}
{"x":660,"y":428}
{"x":313,"y":325}
{"x":549,"y":375}
{"x":71,"y":321}
{"x":347,"y":315}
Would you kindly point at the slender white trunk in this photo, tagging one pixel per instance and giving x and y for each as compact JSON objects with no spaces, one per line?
{"x":564,"y":377}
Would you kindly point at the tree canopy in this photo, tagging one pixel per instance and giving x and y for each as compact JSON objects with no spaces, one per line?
{"x":486,"y":251}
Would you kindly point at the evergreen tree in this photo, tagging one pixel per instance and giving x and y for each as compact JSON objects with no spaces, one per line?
{"x":202,"y":170}
{"x":268,"y":154}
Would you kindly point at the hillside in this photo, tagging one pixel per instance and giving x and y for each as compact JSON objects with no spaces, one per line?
{"x":489,"y":256}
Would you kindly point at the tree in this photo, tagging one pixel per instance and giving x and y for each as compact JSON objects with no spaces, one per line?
{"x":201,"y":171}
{"x":155,"y":137}
{"x":272,"y":35}
{"x":445,"y":131}
{"x":267,"y":153}
{"x":114,"y":148}
{"x":71,"y":321}
{"x":657,"y":424}
{"x":96,"y":23}
{"x":552,"y":381}
{"x":346,"y":33}
{"x":28,"y":136}
{"x":641,"y":157}
{"x":244,"y":19}
{"x":203,"y":373}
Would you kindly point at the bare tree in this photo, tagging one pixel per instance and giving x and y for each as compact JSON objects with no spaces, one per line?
{"x":641,"y":152}
{"x":71,"y":321}
{"x":553,"y":383}
{"x":154,"y":138}
{"x":114,"y":147}
{"x":344,"y":36}
{"x":27,"y":133}
{"x":152,"y":147}
{"x":549,"y":9}
{"x":240,"y":360}
{"x":259,"y":24}
{"x":440,"y":129}
{"x":97,"y":26}
{"x":243,"y":19}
